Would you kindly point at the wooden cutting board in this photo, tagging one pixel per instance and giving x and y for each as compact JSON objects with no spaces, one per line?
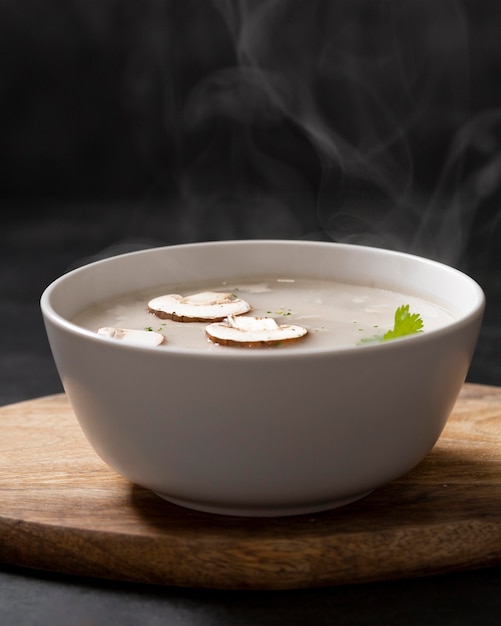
{"x":62,"y":509}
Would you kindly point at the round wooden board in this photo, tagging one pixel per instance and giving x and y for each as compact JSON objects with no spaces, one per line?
{"x":62,"y":509}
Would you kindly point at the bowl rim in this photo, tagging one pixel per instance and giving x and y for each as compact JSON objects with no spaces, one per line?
{"x":50,"y":314}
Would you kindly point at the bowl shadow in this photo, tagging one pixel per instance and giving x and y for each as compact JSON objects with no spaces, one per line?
{"x":448,"y":486}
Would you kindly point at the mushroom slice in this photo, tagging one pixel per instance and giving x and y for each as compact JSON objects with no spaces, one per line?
{"x":253,"y":332}
{"x":207,"y":306}
{"x":133,"y":336}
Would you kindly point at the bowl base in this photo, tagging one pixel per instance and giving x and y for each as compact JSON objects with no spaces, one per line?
{"x":264,"y":511}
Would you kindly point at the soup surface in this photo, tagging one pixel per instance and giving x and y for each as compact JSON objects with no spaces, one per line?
{"x":335,"y":314}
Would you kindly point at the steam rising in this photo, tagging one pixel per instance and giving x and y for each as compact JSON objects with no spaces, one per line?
{"x":346,"y":121}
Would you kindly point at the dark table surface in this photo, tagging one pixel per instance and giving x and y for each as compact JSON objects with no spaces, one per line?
{"x":39,"y":245}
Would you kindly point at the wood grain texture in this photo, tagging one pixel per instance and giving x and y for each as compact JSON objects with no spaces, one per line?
{"x":63,"y":509}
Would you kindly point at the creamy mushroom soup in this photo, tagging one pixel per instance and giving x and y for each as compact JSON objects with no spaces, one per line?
{"x":333,"y":314}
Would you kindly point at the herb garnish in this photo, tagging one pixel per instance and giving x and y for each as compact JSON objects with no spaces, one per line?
{"x":282,"y":311}
{"x":405,"y":323}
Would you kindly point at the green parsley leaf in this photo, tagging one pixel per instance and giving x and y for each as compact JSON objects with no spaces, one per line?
{"x":406,"y":323}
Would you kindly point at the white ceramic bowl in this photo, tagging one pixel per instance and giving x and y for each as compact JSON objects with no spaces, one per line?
{"x":263,"y":432}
